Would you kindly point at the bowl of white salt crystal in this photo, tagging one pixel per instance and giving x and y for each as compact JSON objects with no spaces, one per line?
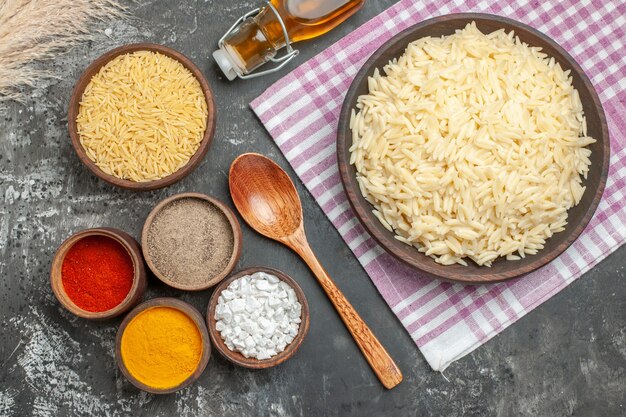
{"x":258,"y":317}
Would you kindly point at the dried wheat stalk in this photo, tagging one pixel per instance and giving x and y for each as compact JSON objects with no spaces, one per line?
{"x":35,"y":30}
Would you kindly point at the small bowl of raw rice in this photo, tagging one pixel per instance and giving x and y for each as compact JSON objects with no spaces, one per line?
{"x":473,"y":148}
{"x":141,"y":116}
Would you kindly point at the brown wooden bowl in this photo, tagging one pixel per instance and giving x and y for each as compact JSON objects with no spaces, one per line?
{"x":237,"y":241}
{"x":236,"y":357}
{"x":578,"y":216}
{"x":139,"y":281}
{"x":193,"y":314}
{"x":77,"y":95}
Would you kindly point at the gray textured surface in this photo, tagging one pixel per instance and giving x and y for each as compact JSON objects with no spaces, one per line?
{"x":567,"y":357}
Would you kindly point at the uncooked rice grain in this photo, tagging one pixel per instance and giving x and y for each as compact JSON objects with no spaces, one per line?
{"x":142,"y":116}
{"x":471,"y":146}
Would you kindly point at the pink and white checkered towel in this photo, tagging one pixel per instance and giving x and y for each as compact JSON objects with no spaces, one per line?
{"x":448,"y":321}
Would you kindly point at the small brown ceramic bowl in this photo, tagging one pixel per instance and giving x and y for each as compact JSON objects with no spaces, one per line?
{"x":77,"y":95}
{"x":578,"y":216}
{"x":211,"y":281}
{"x":193,"y":314}
{"x":236,"y":357}
{"x":139,"y":281}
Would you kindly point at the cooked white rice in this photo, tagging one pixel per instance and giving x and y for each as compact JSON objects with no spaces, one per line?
{"x":471,"y":146}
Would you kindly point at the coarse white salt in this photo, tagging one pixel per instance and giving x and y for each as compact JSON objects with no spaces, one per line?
{"x":258,"y":315}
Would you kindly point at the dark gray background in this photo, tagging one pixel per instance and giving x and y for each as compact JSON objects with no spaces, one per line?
{"x":565,"y":358}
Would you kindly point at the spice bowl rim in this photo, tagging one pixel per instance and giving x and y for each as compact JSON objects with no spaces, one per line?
{"x":237,"y":240}
{"x":193,"y":314}
{"x":84,"y":80}
{"x":131,"y":247}
{"x":236,"y":357}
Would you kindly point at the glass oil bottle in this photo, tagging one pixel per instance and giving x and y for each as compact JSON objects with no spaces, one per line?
{"x":257,"y":36}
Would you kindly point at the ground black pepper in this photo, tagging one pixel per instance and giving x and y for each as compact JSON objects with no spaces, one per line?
{"x":190,"y":241}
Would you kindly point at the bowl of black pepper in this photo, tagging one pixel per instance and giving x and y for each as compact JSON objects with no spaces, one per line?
{"x":191,"y":241}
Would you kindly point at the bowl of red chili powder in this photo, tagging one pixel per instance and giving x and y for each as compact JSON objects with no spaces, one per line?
{"x":98,"y":273}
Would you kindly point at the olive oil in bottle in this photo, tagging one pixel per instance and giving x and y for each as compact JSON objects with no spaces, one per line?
{"x":256,"y":40}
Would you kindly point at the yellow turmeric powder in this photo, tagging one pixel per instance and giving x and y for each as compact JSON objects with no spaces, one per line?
{"x":161,"y":347}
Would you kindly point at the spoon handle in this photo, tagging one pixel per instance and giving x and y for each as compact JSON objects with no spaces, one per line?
{"x":383,"y":365}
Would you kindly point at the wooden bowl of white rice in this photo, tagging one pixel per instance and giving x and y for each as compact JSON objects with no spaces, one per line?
{"x":470,"y":153}
{"x":141,"y":116}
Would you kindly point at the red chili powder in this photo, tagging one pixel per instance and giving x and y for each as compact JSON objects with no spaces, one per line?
{"x":97,"y":273}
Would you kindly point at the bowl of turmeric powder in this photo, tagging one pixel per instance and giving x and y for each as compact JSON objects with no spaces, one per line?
{"x":98,"y":273}
{"x":162,"y":345}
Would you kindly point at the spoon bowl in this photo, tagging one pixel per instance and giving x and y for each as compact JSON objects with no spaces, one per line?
{"x":268,"y":201}
{"x":265,"y":196}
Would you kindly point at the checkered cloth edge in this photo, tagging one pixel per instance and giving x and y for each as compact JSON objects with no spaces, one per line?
{"x":448,"y":321}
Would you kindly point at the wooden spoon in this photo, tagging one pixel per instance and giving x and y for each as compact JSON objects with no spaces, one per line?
{"x":268,"y":201}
